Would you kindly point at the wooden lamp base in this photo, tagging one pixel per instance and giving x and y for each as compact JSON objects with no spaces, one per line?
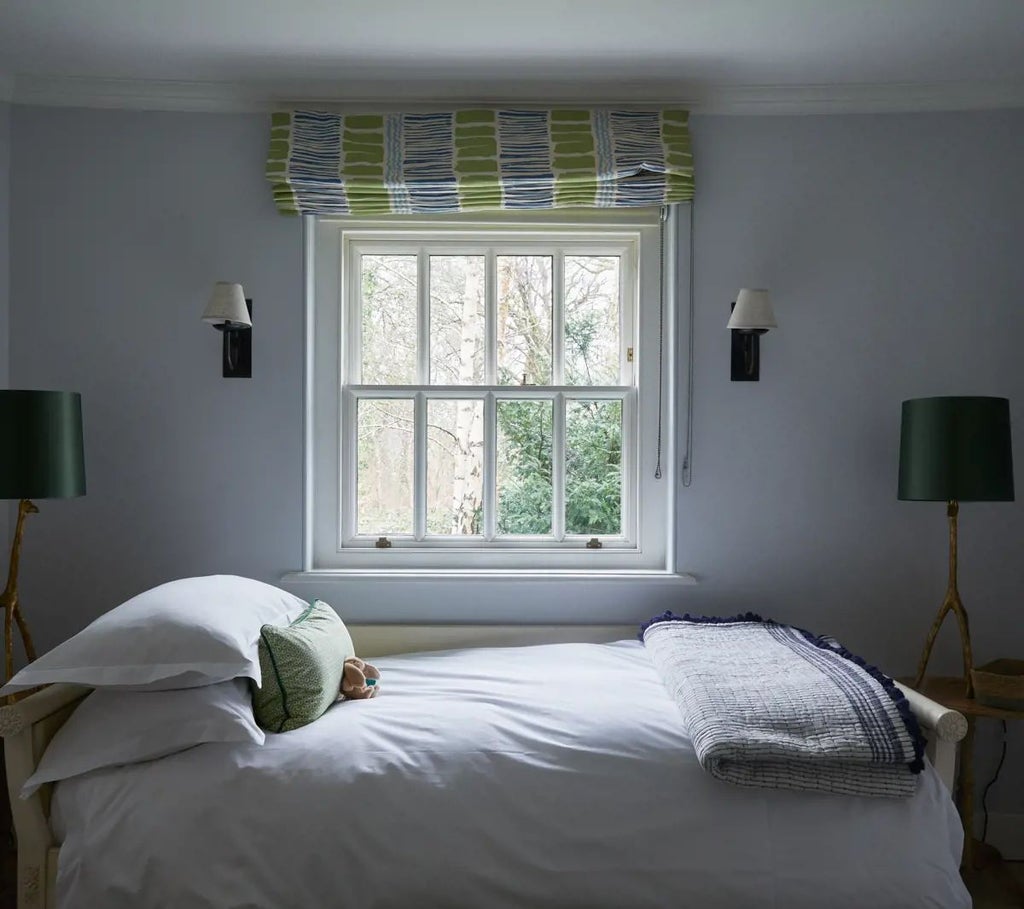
{"x":951,"y":604}
{"x":9,"y":599}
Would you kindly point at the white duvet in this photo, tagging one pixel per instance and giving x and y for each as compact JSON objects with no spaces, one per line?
{"x":552,"y":776}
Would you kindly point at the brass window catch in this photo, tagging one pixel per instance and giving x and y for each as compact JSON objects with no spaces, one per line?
{"x":383,"y":543}
{"x":594,"y":543}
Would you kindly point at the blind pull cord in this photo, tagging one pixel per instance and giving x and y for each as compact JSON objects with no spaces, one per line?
{"x":688,"y":454}
{"x":661,"y":333}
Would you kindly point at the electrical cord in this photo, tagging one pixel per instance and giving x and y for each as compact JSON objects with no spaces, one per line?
{"x":991,"y":783}
{"x":687,"y":471}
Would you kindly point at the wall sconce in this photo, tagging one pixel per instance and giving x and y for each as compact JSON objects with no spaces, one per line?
{"x":752,"y":316}
{"x":231,"y":313}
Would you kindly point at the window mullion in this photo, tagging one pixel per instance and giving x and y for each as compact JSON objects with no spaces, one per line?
{"x":490,"y":466}
{"x":349,"y":467}
{"x":558,"y":468}
{"x":629,"y":467}
{"x":420,"y":466}
{"x":352,"y":319}
{"x":420,"y":407}
{"x":422,"y":318}
{"x":628,"y":279}
{"x":490,"y":318}
{"x":558,"y":318}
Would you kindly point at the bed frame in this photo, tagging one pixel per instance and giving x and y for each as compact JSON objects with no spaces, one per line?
{"x":28,"y":726}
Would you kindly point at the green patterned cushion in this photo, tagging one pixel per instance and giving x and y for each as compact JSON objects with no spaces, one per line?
{"x":301,"y":665}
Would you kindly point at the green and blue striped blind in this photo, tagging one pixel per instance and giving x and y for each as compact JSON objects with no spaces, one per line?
{"x":477,"y":160}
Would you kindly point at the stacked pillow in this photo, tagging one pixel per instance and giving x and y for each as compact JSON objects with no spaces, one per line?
{"x":184,"y":634}
{"x":112,"y":727}
{"x":172,"y":668}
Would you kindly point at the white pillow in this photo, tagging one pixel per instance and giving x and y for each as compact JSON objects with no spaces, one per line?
{"x":184,"y":634}
{"x":116,"y":727}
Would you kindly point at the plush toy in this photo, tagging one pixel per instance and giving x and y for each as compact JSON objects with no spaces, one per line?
{"x":359,"y":679}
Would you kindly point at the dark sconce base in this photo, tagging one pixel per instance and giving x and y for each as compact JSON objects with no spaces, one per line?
{"x":238,"y":350}
{"x":745,"y":363}
{"x":751,"y":317}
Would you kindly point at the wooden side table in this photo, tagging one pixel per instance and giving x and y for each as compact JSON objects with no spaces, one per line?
{"x":949,"y":692}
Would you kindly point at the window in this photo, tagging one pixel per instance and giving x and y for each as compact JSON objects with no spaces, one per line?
{"x":486,"y":396}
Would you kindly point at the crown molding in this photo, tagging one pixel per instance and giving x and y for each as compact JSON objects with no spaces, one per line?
{"x":140,"y":94}
{"x":862,"y":98}
{"x":222,"y":97}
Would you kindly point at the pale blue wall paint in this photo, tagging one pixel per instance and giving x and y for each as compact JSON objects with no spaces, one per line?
{"x":5,"y":206}
{"x":5,"y":286}
{"x":123,"y":221}
{"x":892,"y":247}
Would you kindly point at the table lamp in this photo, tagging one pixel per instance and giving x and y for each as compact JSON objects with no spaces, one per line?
{"x":41,"y":457}
{"x":953,"y":450}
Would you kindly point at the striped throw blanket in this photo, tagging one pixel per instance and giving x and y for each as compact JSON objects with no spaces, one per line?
{"x":772,"y":706}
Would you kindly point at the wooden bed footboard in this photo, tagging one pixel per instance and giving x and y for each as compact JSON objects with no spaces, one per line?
{"x":943,"y":728}
{"x":28,"y":726}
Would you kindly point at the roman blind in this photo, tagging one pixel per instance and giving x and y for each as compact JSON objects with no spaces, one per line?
{"x":477,"y":160}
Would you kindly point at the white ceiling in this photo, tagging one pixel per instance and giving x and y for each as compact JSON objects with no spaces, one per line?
{"x":901,"y":53}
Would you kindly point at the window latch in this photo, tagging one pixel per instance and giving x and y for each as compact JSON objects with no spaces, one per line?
{"x":382,"y":543}
{"x":594,"y":543}
{"x":629,"y":354}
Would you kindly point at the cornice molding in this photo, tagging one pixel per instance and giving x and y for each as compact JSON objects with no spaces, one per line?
{"x":139,"y":94}
{"x":862,"y":98}
{"x":223,"y":97}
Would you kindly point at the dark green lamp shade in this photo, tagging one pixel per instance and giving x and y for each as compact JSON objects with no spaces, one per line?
{"x":41,"y":451}
{"x":956,"y":449}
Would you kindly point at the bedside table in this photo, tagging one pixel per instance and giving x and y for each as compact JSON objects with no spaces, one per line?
{"x":949,"y":691}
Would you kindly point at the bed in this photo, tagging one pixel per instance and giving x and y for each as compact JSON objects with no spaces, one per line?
{"x":552,"y":775}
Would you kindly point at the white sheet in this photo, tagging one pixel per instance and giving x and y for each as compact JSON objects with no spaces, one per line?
{"x":552,"y":776}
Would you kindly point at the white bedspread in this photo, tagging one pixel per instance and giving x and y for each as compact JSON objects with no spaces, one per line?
{"x":553,"y":776}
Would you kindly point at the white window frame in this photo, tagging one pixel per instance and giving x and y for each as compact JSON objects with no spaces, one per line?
{"x":332,"y":249}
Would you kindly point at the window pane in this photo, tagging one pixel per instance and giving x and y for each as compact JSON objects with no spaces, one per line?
{"x":388,"y":320}
{"x":593,"y":467}
{"x":524,"y":467}
{"x":385,"y":473}
{"x":457,"y":320}
{"x":524,"y":320}
{"x":592,"y":342}
{"x":455,"y":467}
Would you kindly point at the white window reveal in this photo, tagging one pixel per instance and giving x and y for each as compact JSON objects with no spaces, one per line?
{"x":486,"y":395}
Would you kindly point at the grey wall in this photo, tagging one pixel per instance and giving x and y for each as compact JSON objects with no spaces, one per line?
{"x":891,"y":245}
{"x":5,"y":285}
{"x":122,"y":221}
{"x":5,"y":207}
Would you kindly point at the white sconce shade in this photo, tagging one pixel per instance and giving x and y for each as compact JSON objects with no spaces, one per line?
{"x":227,"y":307}
{"x":752,"y":312}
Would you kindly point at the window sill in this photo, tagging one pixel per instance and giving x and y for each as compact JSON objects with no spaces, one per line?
{"x":320,"y":575}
